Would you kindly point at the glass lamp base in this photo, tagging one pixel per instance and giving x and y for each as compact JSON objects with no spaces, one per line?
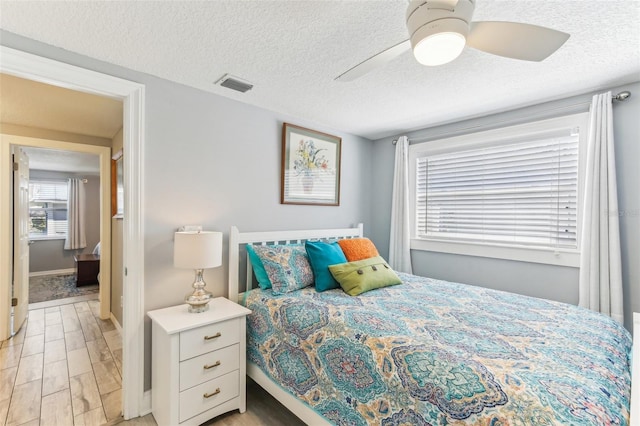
{"x":198,"y":300}
{"x":196,"y":309}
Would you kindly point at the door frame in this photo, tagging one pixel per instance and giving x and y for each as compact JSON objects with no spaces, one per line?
{"x":44,"y":70}
{"x":104,"y":154}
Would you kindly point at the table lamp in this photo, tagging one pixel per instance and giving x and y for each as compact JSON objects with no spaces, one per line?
{"x":197,"y":250}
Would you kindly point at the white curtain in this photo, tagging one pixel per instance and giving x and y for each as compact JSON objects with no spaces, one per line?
{"x":600,"y":265}
{"x":76,"y":237}
{"x":400,"y":236}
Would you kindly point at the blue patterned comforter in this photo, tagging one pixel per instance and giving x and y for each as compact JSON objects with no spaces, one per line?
{"x":434,"y":352}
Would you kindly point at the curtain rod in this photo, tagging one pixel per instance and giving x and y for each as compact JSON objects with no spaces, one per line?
{"x":622,"y":96}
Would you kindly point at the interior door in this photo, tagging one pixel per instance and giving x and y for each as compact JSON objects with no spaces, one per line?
{"x":20,"y":238}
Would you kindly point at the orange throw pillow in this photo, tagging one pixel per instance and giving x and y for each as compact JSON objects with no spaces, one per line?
{"x":358,"y":249}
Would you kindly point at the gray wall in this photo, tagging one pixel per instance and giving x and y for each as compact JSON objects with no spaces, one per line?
{"x":215,"y":162}
{"x":546,"y":281}
{"x":49,"y":255}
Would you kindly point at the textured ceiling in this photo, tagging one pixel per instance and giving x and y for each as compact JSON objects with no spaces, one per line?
{"x":63,"y":161}
{"x":292,"y":50}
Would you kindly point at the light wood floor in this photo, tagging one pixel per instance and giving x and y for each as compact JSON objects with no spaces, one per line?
{"x":262,"y":410}
{"x":62,"y":368}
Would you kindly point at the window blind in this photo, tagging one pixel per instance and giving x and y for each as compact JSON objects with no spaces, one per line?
{"x":48,"y":208}
{"x":521,"y":193}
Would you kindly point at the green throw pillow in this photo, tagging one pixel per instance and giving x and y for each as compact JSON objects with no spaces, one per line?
{"x":364,"y":275}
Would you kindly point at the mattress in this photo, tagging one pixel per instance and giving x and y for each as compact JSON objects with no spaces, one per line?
{"x":435,"y":352}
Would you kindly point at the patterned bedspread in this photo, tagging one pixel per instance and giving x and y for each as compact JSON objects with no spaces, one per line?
{"x":434,"y":352}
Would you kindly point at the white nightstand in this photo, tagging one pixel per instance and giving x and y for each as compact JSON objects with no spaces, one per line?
{"x":198,"y":368}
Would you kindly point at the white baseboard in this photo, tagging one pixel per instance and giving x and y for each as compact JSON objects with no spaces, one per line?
{"x":116,"y":323}
{"x":146,"y":403}
{"x":54,"y":272}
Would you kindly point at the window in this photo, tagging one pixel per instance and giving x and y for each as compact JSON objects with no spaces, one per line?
{"x":47,"y":209}
{"x":516,"y":189}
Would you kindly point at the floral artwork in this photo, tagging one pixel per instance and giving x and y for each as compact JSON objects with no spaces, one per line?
{"x":311,"y":167}
{"x":309,"y":164}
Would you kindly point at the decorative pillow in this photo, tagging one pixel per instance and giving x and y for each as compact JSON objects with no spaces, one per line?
{"x":258,"y":268}
{"x":358,"y":249}
{"x":287,"y":266}
{"x":364,"y":275}
{"x":321,"y":255}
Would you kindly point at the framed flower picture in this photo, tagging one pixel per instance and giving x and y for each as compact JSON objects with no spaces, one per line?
{"x":310,"y":167}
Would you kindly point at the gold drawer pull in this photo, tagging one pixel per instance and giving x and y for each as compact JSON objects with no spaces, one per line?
{"x":209,"y":395}
{"x":215,"y":336}
{"x":206,"y":367}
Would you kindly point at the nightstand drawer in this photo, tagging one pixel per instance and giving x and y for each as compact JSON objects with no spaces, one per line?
{"x":208,"y":395}
{"x":209,"y":366}
{"x":209,"y":338}
{"x":179,"y":378}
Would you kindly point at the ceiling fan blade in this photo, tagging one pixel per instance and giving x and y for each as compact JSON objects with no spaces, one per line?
{"x":515,"y":40}
{"x":374,"y":62}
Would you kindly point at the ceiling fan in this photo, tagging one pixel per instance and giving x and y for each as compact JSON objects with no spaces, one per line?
{"x":440,"y":29}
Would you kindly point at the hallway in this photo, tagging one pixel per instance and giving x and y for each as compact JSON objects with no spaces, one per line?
{"x":63,"y":367}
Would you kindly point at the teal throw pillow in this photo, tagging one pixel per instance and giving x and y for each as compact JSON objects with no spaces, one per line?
{"x":287,"y":267}
{"x":321,"y":255}
{"x":258,"y":268}
{"x":364,"y":275}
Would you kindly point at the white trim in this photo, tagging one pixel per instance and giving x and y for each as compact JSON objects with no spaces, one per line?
{"x":32,"y":67}
{"x":146,"y":407}
{"x":104,"y":154}
{"x":53,"y":272}
{"x":563,"y":257}
{"x":36,"y":237}
{"x":497,"y":251}
{"x":115,"y":322}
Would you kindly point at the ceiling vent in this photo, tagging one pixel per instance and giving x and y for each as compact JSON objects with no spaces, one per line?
{"x":234,"y":83}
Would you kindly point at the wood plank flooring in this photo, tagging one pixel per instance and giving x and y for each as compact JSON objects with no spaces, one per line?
{"x":262,"y":410}
{"x":63,"y":367}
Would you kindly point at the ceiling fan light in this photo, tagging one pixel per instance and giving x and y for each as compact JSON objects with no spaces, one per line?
{"x":439,"y":42}
{"x":439,"y":48}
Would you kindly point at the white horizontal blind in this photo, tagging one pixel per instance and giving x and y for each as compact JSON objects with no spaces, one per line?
{"x":521,"y":193}
{"x":48,"y":208}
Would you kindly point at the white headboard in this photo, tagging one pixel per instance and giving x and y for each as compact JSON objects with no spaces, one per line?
{"x":237,"y":240}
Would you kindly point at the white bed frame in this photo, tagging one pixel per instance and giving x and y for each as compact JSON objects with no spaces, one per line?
{"x":237,"y":240}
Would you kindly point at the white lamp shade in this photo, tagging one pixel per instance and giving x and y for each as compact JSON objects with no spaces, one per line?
{"x":197,"y":250}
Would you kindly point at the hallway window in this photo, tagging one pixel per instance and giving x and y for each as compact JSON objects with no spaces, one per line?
{"x":48,"y":209}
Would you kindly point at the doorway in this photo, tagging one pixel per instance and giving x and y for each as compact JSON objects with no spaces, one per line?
{"x":57,"y":178}
{"x":40,"y":69}
{"x":60,"y":133}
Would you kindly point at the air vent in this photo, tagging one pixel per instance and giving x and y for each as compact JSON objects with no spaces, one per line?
{"x":234,"y":83}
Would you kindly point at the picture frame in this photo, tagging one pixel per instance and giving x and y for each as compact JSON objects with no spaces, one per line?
{"x":310,"y":167}
{"x":117,"y":186}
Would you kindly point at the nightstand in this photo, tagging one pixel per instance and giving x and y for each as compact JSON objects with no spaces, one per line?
{"x":198,"y":362}
{"x":87,"y":269}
